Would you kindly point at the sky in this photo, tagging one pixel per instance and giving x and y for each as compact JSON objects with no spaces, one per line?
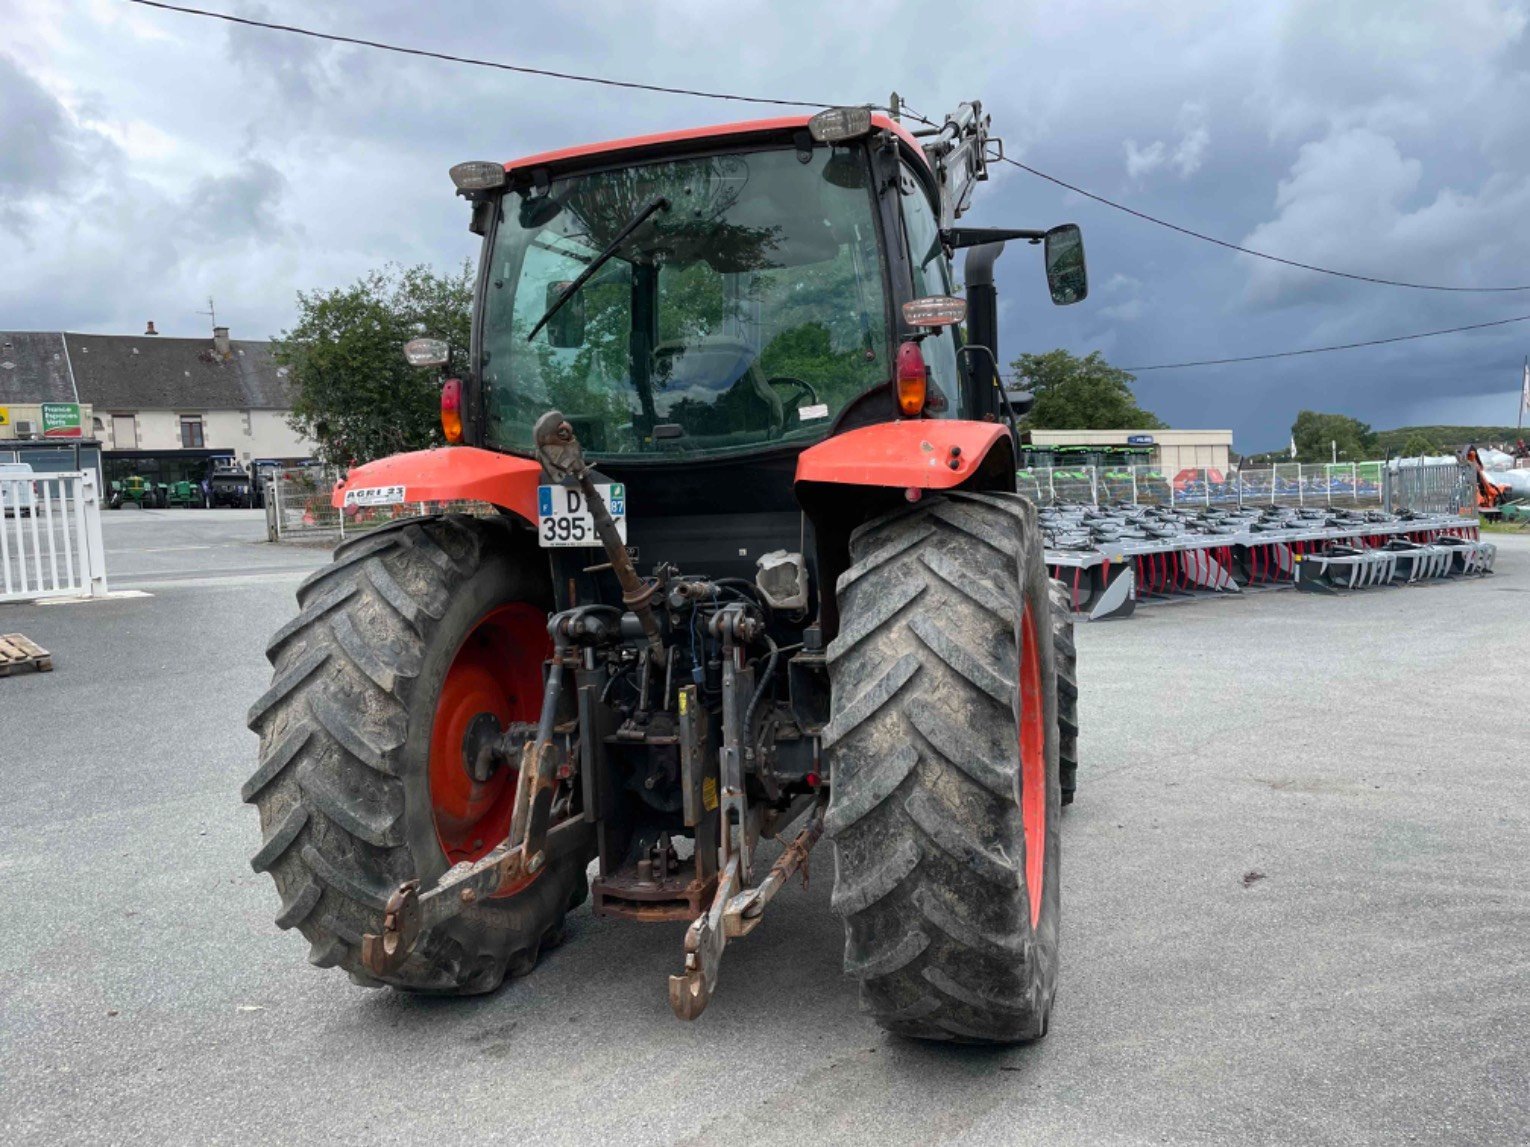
{"x":151,"y":160}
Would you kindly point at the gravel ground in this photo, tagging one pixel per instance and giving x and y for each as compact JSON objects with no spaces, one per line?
{"x":1295,"y":907}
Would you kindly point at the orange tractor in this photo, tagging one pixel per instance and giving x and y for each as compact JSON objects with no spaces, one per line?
{"x":755,"y":569}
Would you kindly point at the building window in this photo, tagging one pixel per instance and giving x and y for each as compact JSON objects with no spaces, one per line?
{"x":124,"y":432}
{"x":191,"y":431}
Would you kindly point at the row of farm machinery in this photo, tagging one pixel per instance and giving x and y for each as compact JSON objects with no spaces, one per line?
{"x":1111,"y":558}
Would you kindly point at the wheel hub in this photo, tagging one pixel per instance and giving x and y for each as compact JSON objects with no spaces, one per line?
{"x":492,"y":684}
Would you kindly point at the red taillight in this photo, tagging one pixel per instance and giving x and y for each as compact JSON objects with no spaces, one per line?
{"x":451,"y":409}
{"x":912,"y":379}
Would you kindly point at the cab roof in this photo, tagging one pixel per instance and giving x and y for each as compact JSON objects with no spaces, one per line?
{"x":657,"y":141}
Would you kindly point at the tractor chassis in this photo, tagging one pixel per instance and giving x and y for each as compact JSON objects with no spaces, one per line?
{"x":719,"y":897}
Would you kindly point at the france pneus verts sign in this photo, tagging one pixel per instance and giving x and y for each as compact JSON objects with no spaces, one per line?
{"x":61,"y":420}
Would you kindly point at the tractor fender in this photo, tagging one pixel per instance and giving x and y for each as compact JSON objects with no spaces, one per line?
{"x":446,"y":474}
{"x":853,"y":477}
{"x":925,"y":454}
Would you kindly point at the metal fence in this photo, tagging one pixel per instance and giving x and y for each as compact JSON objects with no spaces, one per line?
{"x":298,"y":509}
{"x":1430,"y":487}
{"x":1348,"y":484}
{"x":50,"y":537}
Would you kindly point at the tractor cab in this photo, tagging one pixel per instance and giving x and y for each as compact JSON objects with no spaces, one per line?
{"x":705,"y":305}
{"x":746,"y":289}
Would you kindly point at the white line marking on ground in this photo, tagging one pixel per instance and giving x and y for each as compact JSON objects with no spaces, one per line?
{"x":114,"y":595}
{"x":161,"y":550}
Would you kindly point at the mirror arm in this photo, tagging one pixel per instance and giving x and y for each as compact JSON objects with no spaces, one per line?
{"x":956,"y":238}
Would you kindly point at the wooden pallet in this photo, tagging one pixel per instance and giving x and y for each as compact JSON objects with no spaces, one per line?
{"x":18,"y":652}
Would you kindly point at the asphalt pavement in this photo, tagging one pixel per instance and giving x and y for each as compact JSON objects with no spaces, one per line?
{"x":1295,"y":907}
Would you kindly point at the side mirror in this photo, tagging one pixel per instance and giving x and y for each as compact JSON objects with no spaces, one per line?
{"x":1067,"y":278}
{"x":427,"y":352}
{"x":935,"y":311}
{"x":565,"y":330}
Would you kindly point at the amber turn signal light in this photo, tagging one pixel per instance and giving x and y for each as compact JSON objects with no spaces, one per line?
{"x":912,"y":380}
{"x":451,"y":409}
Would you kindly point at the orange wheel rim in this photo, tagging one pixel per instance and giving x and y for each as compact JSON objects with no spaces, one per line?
{"x":497,"y":669}
{"x":1033,"y":763}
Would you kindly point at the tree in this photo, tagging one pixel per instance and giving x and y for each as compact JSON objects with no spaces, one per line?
{"x":1317,"y":434}
{"x":353,"y":393}
{"x":1075,"y":393}
{"x":1418,"y":446}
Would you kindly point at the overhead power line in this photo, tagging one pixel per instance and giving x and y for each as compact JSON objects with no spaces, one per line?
{"x":499,"y":65}
{"x":1325,"y":349}
{"x":1249,"y":250}
{"x":633,"y":85}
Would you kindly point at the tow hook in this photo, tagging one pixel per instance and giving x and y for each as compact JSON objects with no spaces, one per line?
{"x":401,"y":928}
{"x":734,"y":913}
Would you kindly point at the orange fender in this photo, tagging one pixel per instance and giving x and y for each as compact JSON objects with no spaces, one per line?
{"x":448,"y":474}
{"x":926,"y":454}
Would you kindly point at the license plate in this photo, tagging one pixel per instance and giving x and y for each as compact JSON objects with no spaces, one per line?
{"x":564,"y":519}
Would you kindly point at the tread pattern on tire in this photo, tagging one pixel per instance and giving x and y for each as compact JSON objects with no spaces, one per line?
{"x":329,"y":784}
{"x":1065,"y":657}
{"x":924,"y":807}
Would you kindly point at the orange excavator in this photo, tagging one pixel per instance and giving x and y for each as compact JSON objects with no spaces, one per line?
{"x":1490,"y":495}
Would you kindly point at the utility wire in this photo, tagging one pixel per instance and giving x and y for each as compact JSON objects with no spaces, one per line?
{"x":1249,"y":250}
{"x":633,"y":85}
{"x":734,"y":97}
{"x":497,"y":64}
{"x":1325,"y":349}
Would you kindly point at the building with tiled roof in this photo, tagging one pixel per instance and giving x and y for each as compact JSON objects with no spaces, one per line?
{"x":159,"y":406}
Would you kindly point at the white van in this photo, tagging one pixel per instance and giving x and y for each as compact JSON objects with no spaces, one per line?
{"x":17,"y":496}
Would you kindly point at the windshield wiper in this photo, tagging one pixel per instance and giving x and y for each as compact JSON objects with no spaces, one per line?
{"x":659,"y":204}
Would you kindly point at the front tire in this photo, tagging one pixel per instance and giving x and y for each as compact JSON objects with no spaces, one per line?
{"x":942,"y":745}
{"x":410,"y":632}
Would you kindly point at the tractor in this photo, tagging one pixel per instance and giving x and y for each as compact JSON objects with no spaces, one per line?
{"x":136,"y":491}
{"x":228,"y":484}
{"x":749,"y":567}
{"x":185,"y":495}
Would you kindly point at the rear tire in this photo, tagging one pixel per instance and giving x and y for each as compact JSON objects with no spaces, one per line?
{"x":1065,"y":657}
{"x":344,"y":781}
{"x":931,"y":806}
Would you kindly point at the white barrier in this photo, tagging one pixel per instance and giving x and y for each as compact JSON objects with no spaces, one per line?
{"x":50,"y":537}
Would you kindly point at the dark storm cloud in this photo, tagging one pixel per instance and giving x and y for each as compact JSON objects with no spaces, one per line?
{"x":1382,"y":138}
{"x":239,"y":205}
{"x":37,"y":151}
{"x":44,"y":153}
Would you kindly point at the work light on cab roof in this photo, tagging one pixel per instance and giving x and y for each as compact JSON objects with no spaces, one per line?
{"x":934,"y":311}
{"x":478,"y":175}
{"x":837,"y":124}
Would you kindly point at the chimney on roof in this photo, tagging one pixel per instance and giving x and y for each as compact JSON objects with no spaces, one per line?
{"x":150,"y":330}
{"x":220,"y":342}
